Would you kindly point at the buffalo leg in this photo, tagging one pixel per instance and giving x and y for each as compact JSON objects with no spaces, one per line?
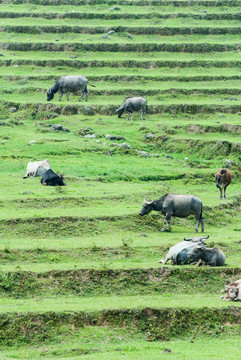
{"x":67,"y":95}
{"x":144,"y":114}
{"x":199,"y":263}
{"x":224,"y":192}
{"x":132,"y":116}
{"x":86,"y":94}
{"x":221,"y":192}
{"x":141,"y":115}
{"x":198,"y":220}
{"x":202,"y":223}
{"x":82,"y":94}
{"x":167,"y":221}
{"x":197,"y":225}
{"x":61,"y":94}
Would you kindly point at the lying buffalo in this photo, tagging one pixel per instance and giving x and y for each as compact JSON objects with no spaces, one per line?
{"x":194,"y":251}
{"x":175,"y":205}
{"x":233,"y":291}
{"x":37,"y":168}
{"x":50,"y":178}
{"x":66,"y":84}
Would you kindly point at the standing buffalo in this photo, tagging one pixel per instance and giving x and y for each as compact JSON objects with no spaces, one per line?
{"x":69,"y":83}
{"x":223,"y":178}
{"x":175,"y":205}
{"x":50,"y":178}
{"x":194,"y":251}
{"x":133,"y":104}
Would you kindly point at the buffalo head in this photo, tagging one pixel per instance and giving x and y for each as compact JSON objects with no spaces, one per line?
{"x":50,"y":95}
{"x":61,"y":180}
{"x":147,"y":207}
{"x":120,"y":111}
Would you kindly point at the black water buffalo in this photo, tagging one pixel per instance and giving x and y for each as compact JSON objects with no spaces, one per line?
{"x":194,"y":251}
{"x":133,"y":104}
{"x":71,"y":83}
{"x":175,"y":205}
{"x":222,"y":179}
{"x":50,"y":178}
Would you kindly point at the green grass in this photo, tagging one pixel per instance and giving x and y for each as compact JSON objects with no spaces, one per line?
{"x":105,"y":8}
{"x":118,"y":39}
{"x":160,"y":73}
{"x":162,"y":99}
{"x":212,"y":57}
{"x":101,"y":303}
{"x":152,"y":22}
{"x":101,"y":343}
{"x":103,"y":87}
{"x":81,"y":255}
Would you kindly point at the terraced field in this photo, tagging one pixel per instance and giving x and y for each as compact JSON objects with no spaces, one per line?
{"x":79,"y":271}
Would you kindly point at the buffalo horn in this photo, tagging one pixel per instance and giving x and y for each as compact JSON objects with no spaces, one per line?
{"x":187,"y":239}
{"x":147,"y":202}
{"x":205,"y":238}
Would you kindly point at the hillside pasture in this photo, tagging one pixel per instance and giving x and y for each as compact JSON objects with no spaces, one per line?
{"x":79,"y":271}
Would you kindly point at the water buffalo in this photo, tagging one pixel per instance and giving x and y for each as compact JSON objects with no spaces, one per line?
{"x":195,"y":251}
{"x":37,"y":168}
{"x":69,"y":83}
{"x":50,"y":178}
{"x":175,"y":205}
{"x":133,"y":104}
{"x":233,"y":291}
{"x":223,"y":178}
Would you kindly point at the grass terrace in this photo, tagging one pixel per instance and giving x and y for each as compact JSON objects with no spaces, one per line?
{"x":79,"y":270}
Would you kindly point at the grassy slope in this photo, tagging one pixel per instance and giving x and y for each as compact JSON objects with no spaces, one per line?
{"x":93,"y":223}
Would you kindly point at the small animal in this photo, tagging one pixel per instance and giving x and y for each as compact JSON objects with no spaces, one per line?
{"x":71,"y":83}
{"x":50,"y":178}
{"x":233,"y":291}
{"x":223,"y":178}
{"x":175,"y":205}
{"x":132,"y":104}
{"x":37,"y":168}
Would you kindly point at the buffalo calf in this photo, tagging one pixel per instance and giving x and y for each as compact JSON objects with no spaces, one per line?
{"x":133,"y":104}
{"x":223,"y":178}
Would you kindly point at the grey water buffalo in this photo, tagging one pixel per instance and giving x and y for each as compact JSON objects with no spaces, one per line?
{"x":194,"y":251}
{"x":50,"y":178}
{"x":66,"y":84}
{"x":132,"y":104}
{"x":233,"y":291}
{"x":37,"y":168}
{"x":175,"y":205}
{"x":222,"y":179}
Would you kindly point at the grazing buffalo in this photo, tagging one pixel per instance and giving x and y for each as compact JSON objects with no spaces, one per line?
{"x":37,"y":168}
{"x":223,"y":178}
{"x":233,"y":291}
{"x":133,"y":104}
{"x":50,"y":178}
{"x":175,"y":205}
{"x":194,"y":251}
{"x":67,"y":84}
